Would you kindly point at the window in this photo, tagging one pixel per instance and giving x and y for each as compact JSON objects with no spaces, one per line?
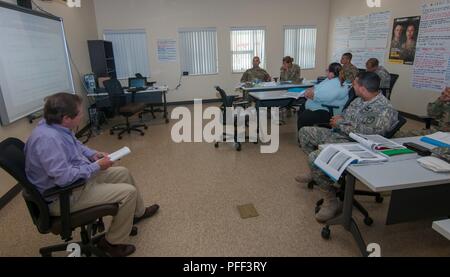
{"x":300,"y":43}
{"x":245,"y":44}
{"x":130,"y":52}
{"x":198,"y":51}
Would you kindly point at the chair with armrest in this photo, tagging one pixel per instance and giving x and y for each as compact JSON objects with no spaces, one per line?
{"x":119,"y":104}
{"x":378,"y":198}
{"x":387,"y":92}
{"x":12,"y":160}
{"x":227,"y":102}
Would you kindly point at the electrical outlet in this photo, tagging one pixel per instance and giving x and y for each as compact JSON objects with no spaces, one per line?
{"x":185,"y":73}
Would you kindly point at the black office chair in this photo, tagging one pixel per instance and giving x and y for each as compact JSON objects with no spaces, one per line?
{"x":119,"y":104}
{"x":12,"y":160}
{"x":378,"y":198}
{"x":387,"y":92}
{"x":229,"y":101}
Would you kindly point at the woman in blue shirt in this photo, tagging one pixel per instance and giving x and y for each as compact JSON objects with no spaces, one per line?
{"x":332,"y":91}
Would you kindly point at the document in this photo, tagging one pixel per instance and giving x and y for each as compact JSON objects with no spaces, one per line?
{"x":335,"y":158}
{"x":381,"y":145}
{"x":439,"y":139}
{"x":119,"y":154}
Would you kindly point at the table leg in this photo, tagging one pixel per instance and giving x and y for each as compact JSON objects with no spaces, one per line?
{"x":165,"y":107}
{"x":346,"y":219}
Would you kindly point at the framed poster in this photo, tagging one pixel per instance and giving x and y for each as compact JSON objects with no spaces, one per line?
{"x":404,"y":40}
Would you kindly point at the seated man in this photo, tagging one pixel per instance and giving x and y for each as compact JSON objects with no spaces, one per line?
{"x":54,"y":157}
{"x":290,"y":71}
{"x":256,"y":73}
{"x":349,"y":70}
{"x":373,"y":65}
{"x":369,"y":114}
{"x":439,"y":110}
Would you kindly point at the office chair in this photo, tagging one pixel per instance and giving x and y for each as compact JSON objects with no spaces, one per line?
{"x":12,"y":160}
{"x":378,"y":198}
{"x":228,"y":101}
{"x":387,"y":92}
{"x":118,"y":101}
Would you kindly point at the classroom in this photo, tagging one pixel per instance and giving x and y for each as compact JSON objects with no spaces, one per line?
{"x":207,"y":128}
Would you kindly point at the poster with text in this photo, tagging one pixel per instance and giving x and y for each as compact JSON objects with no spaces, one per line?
{"x":404,"y":40}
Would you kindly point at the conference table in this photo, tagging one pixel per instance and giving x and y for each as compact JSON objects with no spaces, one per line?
{"x":417,"y":193}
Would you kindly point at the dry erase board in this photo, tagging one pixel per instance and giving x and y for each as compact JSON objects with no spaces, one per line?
{"x":34,"y":61}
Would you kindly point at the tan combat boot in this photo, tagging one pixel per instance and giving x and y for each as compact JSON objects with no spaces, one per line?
{"x":329,"y":208}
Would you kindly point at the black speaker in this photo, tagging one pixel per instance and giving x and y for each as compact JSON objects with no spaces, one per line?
{"x":24,"y":3}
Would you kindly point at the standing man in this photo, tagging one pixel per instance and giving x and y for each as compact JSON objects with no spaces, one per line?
{"x":371,"y":113}
{"x":373,"y":65}
{"x":349,"y":70}
{"x":255,"y":73}
{"x":55,"y":158}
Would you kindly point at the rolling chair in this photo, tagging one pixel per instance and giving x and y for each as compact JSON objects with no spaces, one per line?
{"x":378,"y":198}
{"x":228,"y":101}
{"x":387,"y":92}
{"x":118,"y":102}
{"x":12,"y":160}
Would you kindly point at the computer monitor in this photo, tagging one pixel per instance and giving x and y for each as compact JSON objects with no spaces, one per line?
{"x":137,"y":82}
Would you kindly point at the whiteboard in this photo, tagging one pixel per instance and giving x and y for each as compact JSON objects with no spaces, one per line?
{"x":34,"y":61}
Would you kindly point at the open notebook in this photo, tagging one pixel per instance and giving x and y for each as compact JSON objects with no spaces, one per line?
{"x":335,"y":158}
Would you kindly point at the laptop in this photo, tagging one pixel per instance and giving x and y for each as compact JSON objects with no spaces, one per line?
{"x":138,"y":83}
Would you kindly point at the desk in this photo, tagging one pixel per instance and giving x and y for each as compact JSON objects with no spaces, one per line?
{"x":442,"y":227}
{"x":417,"y":193}
{"x":150,"y":90}
{"x":278,"y":87}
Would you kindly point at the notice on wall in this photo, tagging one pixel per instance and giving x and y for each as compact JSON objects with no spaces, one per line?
{"x":432,"y":61}
{"x":167,"y":50}
{"x":404,"y":40}
{"x":364,"y":36}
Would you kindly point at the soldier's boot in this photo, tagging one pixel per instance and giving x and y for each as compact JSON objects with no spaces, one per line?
{"x":330,"y":207}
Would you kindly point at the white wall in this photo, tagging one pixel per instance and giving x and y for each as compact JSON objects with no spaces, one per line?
{"x":80,"y":25}
{"x":404,"y":97}
{"x":162,"y":18}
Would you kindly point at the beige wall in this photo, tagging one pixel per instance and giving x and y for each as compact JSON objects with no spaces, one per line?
{"x":80,"y":25}
{"x":162,"y":18}
{"x":404,"y":97}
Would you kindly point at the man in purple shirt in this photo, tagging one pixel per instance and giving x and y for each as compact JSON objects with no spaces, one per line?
{"x":54,"y":157}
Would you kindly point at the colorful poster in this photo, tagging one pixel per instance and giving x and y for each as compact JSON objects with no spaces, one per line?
{"x":404,"y":39}
{"x":167,"y":50}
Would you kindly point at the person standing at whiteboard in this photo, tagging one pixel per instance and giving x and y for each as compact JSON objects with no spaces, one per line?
{"x":54,"y":157}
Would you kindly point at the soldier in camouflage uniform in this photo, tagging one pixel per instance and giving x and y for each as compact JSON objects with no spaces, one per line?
{"x":290,"y":71}
{"x":373,"y":65}
{"x":438,"y":110}
{"x":255,"y":73}
{"x":349,"y":70}
{"x":369,"y":114}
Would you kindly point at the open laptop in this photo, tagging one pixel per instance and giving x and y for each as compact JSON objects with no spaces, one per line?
{"x":138,"y":83}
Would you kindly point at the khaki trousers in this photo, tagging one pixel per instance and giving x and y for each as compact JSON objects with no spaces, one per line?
{"x":114,"y":185}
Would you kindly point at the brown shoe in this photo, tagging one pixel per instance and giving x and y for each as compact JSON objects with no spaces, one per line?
{"x":149,"y":212}
{"x":119,"y":250}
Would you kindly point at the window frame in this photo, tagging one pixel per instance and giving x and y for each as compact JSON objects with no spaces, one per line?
{"x":298,"y":27}
{"x":248,"y":28}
